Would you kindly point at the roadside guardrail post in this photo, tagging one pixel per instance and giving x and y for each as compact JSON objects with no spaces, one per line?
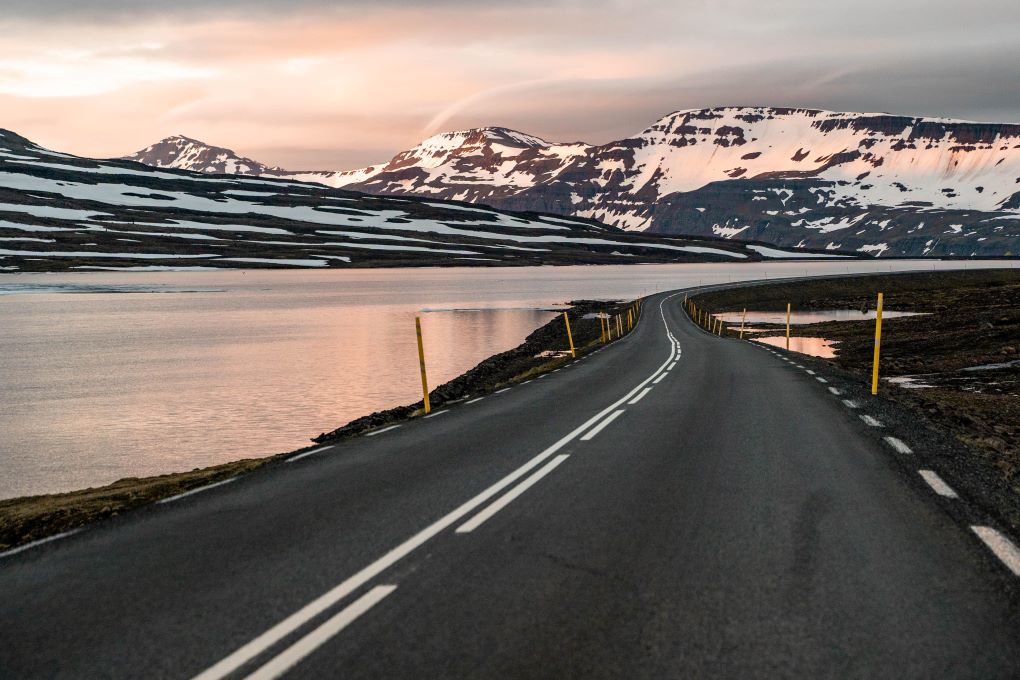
{"x":787,"y":326}
{"x":878,"y":343}
{"x":421,"y":362}
{"x":570,"y":338}
{"x":743,"y":317}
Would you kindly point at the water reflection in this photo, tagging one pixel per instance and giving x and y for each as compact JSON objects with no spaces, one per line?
{"x":816,"y":347}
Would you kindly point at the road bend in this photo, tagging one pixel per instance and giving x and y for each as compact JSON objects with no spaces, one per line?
{"x":674,"y":505}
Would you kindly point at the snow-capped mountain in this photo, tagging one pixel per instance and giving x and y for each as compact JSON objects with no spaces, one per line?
{"x":851,"y":182}
{"x":59,"y":211}
{"x":185,"y":153}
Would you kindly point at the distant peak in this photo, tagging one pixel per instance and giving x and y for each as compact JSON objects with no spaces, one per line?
{"x":501,"y":135}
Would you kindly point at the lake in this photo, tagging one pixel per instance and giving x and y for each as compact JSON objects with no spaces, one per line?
{"x":105,"y":375}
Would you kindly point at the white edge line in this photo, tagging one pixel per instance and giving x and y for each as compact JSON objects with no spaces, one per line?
{"x":1003,"y":548}
{"x":640,"y":396}
{"x":898,"y":444}
{"x":601,"y":426}
{"x":505,"y":389}
{"x":937,"y":484}
{"x":41,"y":541}
{"x":293,"y":655}
{"x":477,"y":399}
{"x":198,"y":490}
{"x":385,"y":429}
{"x":510,"y":495}
{"x":437,"y":413}
{"x":300,"y":456}
{"x":288,"y":625}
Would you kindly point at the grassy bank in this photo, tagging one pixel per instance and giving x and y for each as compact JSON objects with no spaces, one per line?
{"x":31,"y":518}
{"x":963,"y":352}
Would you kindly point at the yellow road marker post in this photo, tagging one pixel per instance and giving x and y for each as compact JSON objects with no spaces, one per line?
{"x":720,"y":328}
{"x":743,"y":317}
{"x":570,"y":338}
{"x":788,"y":326}
{"x":421,"y":362}
{"x":602,"y":324}
{"x":630,"y":321}
{"x":878,"y":343}
{"x":619,"y":325}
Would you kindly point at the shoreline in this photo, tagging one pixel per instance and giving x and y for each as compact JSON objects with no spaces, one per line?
{"x":26,"y":520}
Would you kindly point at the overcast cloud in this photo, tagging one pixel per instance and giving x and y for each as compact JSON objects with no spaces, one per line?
{"x":324,"y":84}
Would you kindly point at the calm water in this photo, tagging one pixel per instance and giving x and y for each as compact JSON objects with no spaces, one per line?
{"x":816,"y":347}
{"x":109,"y":375}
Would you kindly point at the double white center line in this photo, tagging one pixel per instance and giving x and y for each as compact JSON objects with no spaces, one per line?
{"x":292,"y":623}
{"x":601,"y":426}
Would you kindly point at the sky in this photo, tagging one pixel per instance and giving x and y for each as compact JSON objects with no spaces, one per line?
{"x":338,"y":84}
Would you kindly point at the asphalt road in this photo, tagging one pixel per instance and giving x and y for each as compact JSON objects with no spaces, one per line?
{"x":675,"y":505}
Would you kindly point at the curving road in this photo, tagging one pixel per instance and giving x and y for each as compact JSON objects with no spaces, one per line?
{"x":675,"y":505}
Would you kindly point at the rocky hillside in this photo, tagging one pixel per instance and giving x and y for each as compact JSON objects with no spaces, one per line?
{"x":849,"y":182}
{"x":64,"y":212}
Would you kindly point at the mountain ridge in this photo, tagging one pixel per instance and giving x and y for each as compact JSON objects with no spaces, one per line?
{"x":851,"y":182}
{"x":64,"y":212}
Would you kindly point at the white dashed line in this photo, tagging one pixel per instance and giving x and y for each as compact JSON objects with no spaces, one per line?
{"x":868,"y":420}
{"x":210,"y":486}
{"x":306,"y":453}
{"x":475,"y":400}
{"x":809,"y":371}
{"x":670,"y":368}
{"x":898,"y":445}
{"x":640,"y":396}
{"x":28,"y":546}
{"x":505,"y":389}
{"x":509,"y":496}
{"x":601,"y":426}
{"x":525,"y":382}
{"x":1003,"y":548}
{"x":850,"y":403}
{"x":385,"y":429}
{"x":659,"y":379}
{"x":937,"y":484}
{"x":821,"y":379}
{"x":291,"y":656}
{"x":835,"y":391}
{"x":437,"y":413}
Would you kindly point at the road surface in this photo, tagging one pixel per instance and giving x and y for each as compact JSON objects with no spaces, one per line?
{"x":675,"y":505}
